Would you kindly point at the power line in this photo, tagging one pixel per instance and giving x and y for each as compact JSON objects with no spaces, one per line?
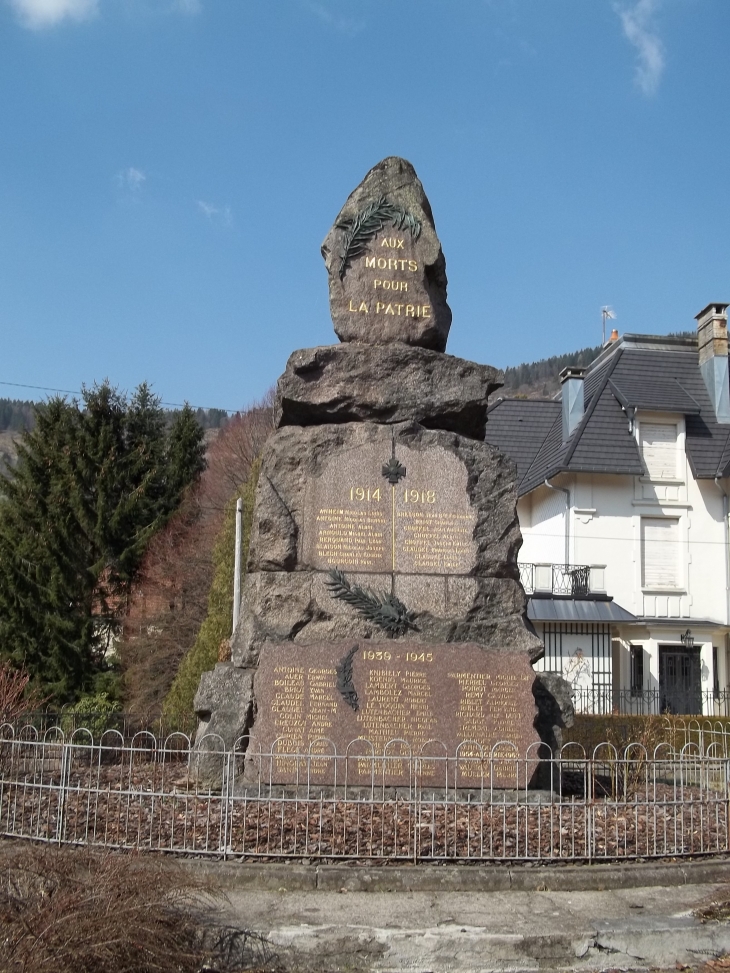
{"x":176,"y":405}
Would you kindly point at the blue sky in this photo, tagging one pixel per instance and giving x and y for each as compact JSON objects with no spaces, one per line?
{"x":169,"y":168}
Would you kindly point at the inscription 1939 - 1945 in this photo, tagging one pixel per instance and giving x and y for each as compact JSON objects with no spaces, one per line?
{"x":403,"y":699}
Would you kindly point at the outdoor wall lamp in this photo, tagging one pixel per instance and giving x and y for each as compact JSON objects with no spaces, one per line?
{"x":687,"y":639}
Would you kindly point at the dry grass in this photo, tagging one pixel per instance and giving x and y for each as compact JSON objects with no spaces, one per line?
{"x":70,"y":911}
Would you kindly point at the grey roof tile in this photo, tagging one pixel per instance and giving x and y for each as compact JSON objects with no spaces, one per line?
{"x":640,"y":372}
{"x":518,"y":427}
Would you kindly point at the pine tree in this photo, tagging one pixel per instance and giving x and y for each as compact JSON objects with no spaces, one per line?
{"x":95,"y":480}
{"x":45,"y":585}
{"x":186,"y":452}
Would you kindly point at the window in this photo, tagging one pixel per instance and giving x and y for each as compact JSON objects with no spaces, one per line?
{"x":659,"y":552}
{"x":659,"y":449}
{"x":715,"y":674}
{"x":637,"y":669}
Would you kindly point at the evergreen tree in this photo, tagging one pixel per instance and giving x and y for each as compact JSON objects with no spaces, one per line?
{"x":45,"y":585}
{"x":94,"y":482}
{"x":186,"y":452}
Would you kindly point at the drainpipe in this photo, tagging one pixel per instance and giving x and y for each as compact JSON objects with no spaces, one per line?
{"x":727,"y":547}
{"x":566,"y":491}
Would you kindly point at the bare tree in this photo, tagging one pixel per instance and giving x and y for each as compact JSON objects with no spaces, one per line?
{"x":170,"y":599}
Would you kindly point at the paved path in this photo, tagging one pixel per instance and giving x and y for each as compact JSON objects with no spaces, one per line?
{"x":441,"y":931}
{"x":478,"y":931}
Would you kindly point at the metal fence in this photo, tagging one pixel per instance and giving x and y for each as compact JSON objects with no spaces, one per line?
{"x":150,"y":793}
{"x":604,"y":700}
{"x":70,"y":719}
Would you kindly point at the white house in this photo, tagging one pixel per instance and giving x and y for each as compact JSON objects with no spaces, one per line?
{"x":623,"y":505}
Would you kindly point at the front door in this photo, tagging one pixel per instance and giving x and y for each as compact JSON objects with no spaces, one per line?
{"x":680,"y":684}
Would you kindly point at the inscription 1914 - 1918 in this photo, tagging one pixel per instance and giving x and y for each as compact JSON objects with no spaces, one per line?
{"x":356,"y":520}
{"x":428,"y":701}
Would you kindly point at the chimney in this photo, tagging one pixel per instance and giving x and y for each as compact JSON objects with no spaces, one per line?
{"x":712,"y":346}
{"x":614,"y":336}
{"x":571,"y":379}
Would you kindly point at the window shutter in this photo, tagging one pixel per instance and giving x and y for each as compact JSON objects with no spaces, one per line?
{"x":659,"y":552}
{"x":659,"y":449}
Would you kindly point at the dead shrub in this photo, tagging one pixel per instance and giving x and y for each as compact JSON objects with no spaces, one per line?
{"x":78,"y":912}
{"x":16,"y":699}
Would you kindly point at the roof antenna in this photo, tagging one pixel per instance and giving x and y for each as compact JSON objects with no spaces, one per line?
{"x":607,"y":314}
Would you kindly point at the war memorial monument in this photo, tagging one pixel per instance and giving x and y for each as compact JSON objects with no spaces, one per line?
{"x":382,"y":613}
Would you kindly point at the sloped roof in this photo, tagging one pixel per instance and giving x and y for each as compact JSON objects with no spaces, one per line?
{"x":638,"y":372}
{"x":577,"y":610}
{"x":520,"y":427}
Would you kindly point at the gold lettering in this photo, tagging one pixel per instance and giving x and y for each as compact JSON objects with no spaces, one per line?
{"x":369,"y":261}
{"x":412,"y":265}
{"x":410,"y":310}
{"x":382,"y":263}
{"x":389,"y":309}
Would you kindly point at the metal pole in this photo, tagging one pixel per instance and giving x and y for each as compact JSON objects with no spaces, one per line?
{"x":237,"y":565}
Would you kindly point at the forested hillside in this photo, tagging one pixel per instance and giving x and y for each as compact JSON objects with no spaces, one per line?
{"x":540,"y":378}
{"x":16,"y":416}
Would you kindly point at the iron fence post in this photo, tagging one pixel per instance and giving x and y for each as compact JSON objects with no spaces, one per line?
{"x":63,"y":784}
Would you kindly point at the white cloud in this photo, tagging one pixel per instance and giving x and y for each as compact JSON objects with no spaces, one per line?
{"x":188,"y":6}
{"x":216,"y":214}
{"x":38,"y":14}
{"x":345,"y":25}
{"x":637,"y":26}
{"x":46,"y":13}
{"x":131,"y":179}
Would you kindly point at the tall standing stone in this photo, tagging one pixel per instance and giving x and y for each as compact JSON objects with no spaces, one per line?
{"x":382,"y":595}
{"x":387,"y":273}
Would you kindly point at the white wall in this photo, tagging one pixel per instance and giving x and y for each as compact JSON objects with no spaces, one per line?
{"x":605,"y":529}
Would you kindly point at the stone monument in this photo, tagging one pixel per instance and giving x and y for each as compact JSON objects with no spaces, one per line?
{"x":382,"y":612}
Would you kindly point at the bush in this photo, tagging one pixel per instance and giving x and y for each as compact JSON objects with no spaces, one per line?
{"x":17,"y":698}
{"x":83,"y":913}
{"x":94,"y":713}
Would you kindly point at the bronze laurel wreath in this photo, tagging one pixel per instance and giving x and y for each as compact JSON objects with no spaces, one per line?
{"x":360,"y":230}
{"x":385,"y":611}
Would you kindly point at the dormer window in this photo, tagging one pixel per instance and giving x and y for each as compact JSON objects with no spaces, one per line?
{"x":659,"y":450}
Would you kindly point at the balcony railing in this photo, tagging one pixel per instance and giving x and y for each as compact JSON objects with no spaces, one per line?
{"x":602,"y":701}
{"x":557,"y":579}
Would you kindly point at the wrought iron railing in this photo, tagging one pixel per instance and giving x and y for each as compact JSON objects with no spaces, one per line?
{"x":98,"y":721}
{"x":147,"y":793}
{"x":557,"y":579}
{"x":604,"y":700}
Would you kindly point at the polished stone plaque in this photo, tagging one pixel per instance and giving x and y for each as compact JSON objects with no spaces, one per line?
{"x":381,"y":705}
{"x":404,"y":510}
